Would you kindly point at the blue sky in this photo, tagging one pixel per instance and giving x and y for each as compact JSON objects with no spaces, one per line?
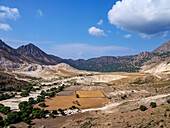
{"x":71,"y":28}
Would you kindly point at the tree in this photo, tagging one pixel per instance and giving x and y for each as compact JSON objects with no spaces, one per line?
{"x":25,"y":107}
{"x":5,"y":110}
{"x":38,"y":113}
{"x":27,"y":120}
{"x":31,"y":101}
{"x":153,"y":104}
{"x":40,"y":98}
{"x":13,"y":117}
{"x":143,"y":108}
{"x":1,"y":121}
{"x":42,"y":105}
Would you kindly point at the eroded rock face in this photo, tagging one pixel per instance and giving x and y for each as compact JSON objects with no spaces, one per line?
{"x":163,"y":67}
{"x":101,"y":78}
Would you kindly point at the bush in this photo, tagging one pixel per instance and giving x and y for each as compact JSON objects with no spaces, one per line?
{"x":31,"y":101}
{"x":143,"y":108}
{"x":42,"y":105}
{"x":1,"y":122}
{"x":5,"y":96}
{"x":40,"y":98}
{"x":24,"y":94}
{"x":168,"y":101}
{"x":12,"y":127}
{"x":25,"y":107}
{"x":10,"y":89}
{"x":55,"y":112}
{"x":38,"y":113}
{"x":153,"y":104}
{"x":73,"y":107}
{"x":61,"y":112}
{"x":1,"y":106}
{"x":27,"y":120}
{"x":77,"y":96}
{"x":18,"y":89}
{"x":51,"y":115}
{"x":5,"y":110}
{"x":123,"y":97}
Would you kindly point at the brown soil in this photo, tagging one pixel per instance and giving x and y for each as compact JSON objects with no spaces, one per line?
{"x":90,"y":94}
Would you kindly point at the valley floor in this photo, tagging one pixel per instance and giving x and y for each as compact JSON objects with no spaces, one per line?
{"x":126,"y":94}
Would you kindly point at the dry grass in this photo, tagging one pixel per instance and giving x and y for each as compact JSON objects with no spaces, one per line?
{"x":88,"y":99}
{"x":65,"y":102}
{"x":90,"y":94}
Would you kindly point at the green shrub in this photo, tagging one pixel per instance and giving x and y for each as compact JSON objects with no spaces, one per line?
{"x":55,"y":112}
{"x":27,"y":120}
{"x":123,"y":97}
{"x":5,"y":96}
{"x":24,"y":94}
{"x":13,"y":117}
{"x":5,"y":110}
{"x":40,"y":98}
{"x":38,"y":113}
{"x":153,"y":104}
{"x":42,"y":105}
{"x":77,"y":96}
{"x":31,"y":101}
{"x":12,"y":127}
{"x":168,"y":101}
{"x":51,"y":115}
{"x":73,"y":107}
{"x":2,"y":123}
{"x":18,"y":89}
{"x":143,"y":108}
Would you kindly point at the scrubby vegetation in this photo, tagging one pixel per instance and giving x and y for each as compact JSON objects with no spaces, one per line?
{"x":6,"y":96}
{"x":143,"y":108}
{"x":153,"y":104}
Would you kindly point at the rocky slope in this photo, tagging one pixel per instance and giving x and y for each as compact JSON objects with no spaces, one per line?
{"x":8,"y":53}
{"x":164,"y":48}
{"x":36,"y":55}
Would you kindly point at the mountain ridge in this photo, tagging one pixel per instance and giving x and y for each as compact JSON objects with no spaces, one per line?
{"x":32,"y":54}
{"x":36,"y":55}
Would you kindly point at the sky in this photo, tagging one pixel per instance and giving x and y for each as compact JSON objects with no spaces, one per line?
{"x":82,"y":29}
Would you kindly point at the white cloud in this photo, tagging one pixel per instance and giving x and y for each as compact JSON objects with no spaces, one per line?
{"x":40,"y":13}
{"x":127,"y":36}
{"x":5,"y":27}
{"x":25,"y":41}
{"x":81,"y":50}
{"x":8,"y":13}
{"x":96,"y":32}
{"x":100,"y":22}
{"x":146,"y":17}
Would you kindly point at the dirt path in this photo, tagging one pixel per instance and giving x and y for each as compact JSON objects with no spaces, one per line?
{"x":111,"y":105}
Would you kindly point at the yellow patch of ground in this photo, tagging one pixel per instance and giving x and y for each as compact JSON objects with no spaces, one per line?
{"x":65,"y":102}
{"x":87,"y":99}
{"x":90,"y":94}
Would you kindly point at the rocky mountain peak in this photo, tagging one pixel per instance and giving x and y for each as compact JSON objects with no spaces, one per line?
{"x":164,"y":48}
{"x":36,"y":55}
